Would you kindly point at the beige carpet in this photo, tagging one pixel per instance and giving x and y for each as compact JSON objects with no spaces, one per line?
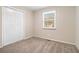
{"x":38,"y":45}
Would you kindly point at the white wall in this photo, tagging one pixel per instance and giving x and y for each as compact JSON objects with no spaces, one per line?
{"x":28,"y":24}
{"x":65,"y":31}
{"x":12,"y":32}
{"x":0,"y":26}
{"x":77,"y":27}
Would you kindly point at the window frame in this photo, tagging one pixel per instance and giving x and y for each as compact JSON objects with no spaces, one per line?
{"x":48,"y":12}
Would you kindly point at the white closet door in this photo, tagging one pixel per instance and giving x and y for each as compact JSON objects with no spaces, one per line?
{"x":12,"y":25}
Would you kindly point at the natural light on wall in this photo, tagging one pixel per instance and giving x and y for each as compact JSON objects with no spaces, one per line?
{"x":49,"y":20}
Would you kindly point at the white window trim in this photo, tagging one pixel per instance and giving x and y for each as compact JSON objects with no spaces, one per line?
{"x":54,"y":19}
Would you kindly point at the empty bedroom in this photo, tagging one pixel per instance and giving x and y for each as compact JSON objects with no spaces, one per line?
{"x":39,"y":29}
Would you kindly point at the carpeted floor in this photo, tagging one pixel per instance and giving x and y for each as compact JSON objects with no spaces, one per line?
{"x":38,"y":45}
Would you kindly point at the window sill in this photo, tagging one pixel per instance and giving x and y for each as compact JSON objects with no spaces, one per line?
{"x":50,"y":28}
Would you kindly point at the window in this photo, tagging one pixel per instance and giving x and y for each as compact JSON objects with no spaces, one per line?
{"x":49,"y":20}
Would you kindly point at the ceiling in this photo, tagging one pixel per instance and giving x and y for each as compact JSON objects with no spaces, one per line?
{"x":34,"y":8}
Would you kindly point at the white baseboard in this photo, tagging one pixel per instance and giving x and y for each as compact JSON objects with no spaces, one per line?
{"x":1,"y":46}
{"x":40,"y":37}
{"x":28,"y":37}
{"x":77,"y":47}
{"x":56,"y":40}
{"x":16,"y":41}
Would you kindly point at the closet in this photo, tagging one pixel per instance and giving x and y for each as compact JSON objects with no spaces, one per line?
{"x":12,"y":23}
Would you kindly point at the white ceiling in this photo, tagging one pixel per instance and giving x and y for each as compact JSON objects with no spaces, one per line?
{"x":35,"y":7}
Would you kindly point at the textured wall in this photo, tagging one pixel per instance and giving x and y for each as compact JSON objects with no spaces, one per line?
{"x":0,"y":26}
{"x":65,"y":30}
{"x":77,"y":27}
